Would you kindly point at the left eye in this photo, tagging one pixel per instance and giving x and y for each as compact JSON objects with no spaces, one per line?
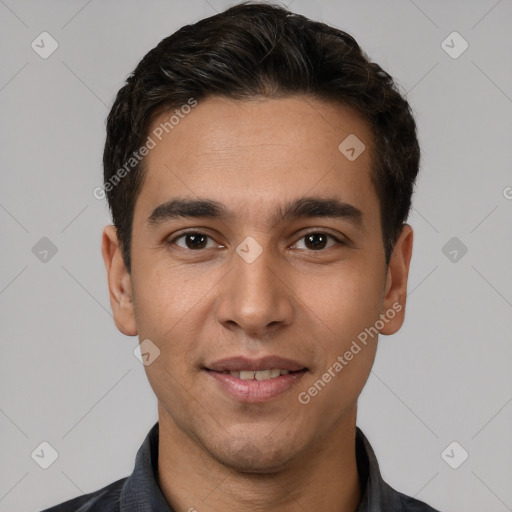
{"x":317,"y":241}
{"x":195,"y":241}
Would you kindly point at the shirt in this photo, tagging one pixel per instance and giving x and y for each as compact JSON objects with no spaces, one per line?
{"x":140,"y":491}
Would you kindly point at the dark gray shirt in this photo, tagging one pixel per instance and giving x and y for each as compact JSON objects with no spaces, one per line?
{"x":140,"y":491}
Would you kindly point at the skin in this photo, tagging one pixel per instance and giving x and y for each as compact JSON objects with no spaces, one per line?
{"x":294,"y":301}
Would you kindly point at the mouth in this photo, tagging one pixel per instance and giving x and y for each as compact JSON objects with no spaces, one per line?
{"x":257,"y":375}
{"x":255,"y":380}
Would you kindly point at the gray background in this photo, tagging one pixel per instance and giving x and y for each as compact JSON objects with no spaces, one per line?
{"x":69,"y":378}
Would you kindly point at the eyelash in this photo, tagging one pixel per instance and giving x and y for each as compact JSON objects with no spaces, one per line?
{"x":184,"y":234}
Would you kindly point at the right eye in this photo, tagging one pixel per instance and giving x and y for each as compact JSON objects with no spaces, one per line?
{"x":193,"y":240}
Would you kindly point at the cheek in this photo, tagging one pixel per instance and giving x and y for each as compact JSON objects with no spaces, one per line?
{"x":342,"y":313}
{"x":343,"y":302}
{"x":167,"y":296}
{"x":172,"y":309}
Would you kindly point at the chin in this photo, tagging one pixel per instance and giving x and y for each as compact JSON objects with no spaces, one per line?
{"x":261,"y":455}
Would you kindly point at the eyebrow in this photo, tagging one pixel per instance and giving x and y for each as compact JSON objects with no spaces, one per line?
{"x":299,"y":208}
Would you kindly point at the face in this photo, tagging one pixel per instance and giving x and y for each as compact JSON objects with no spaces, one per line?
{"x":257,"y":247}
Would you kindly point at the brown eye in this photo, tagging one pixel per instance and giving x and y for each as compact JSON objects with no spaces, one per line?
{"x":193,"y":241}
{"x":317,"y":241}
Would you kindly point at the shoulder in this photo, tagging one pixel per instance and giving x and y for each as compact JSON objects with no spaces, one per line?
{"x":105,"y":499}
{"x":413,"y":505}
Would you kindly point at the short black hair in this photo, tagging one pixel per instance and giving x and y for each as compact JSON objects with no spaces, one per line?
{"x":251,"y":50}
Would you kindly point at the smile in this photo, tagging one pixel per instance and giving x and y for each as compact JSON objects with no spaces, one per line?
{"x":250,"y":380}
{"x":257,"y":375}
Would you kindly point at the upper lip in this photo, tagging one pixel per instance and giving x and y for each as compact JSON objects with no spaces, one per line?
{"x":240,"y":363}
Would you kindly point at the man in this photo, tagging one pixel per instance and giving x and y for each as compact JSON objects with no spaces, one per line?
{"x":259,"y":170}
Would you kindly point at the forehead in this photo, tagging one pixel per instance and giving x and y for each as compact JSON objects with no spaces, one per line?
{"x":256,"y":151}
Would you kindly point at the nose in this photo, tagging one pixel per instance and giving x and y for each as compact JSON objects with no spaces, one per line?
{"x":255,"y":296}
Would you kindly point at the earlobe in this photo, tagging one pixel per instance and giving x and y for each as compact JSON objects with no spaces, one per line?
{"x":119,"y":282}
{"x":395,"y":293}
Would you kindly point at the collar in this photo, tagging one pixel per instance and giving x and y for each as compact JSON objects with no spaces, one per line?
{"x":378,"y":496}
{"x":141,"y":491}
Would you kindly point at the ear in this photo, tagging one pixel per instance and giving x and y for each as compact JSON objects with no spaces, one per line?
{"x":395,"y":293}
{"x":119,"y":282}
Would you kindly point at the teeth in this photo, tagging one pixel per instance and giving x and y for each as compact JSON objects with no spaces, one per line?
{"x":259,"y":375}
{"x":262,"y":375}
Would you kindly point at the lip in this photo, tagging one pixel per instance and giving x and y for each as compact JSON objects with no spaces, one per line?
{"x":255,"y":391}
{"x":240,"y":363}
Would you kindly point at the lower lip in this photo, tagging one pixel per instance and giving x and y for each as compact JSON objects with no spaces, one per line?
{"x":256,"y":391}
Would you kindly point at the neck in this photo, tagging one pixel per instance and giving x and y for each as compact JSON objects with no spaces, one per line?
{"x":325,"y":478}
